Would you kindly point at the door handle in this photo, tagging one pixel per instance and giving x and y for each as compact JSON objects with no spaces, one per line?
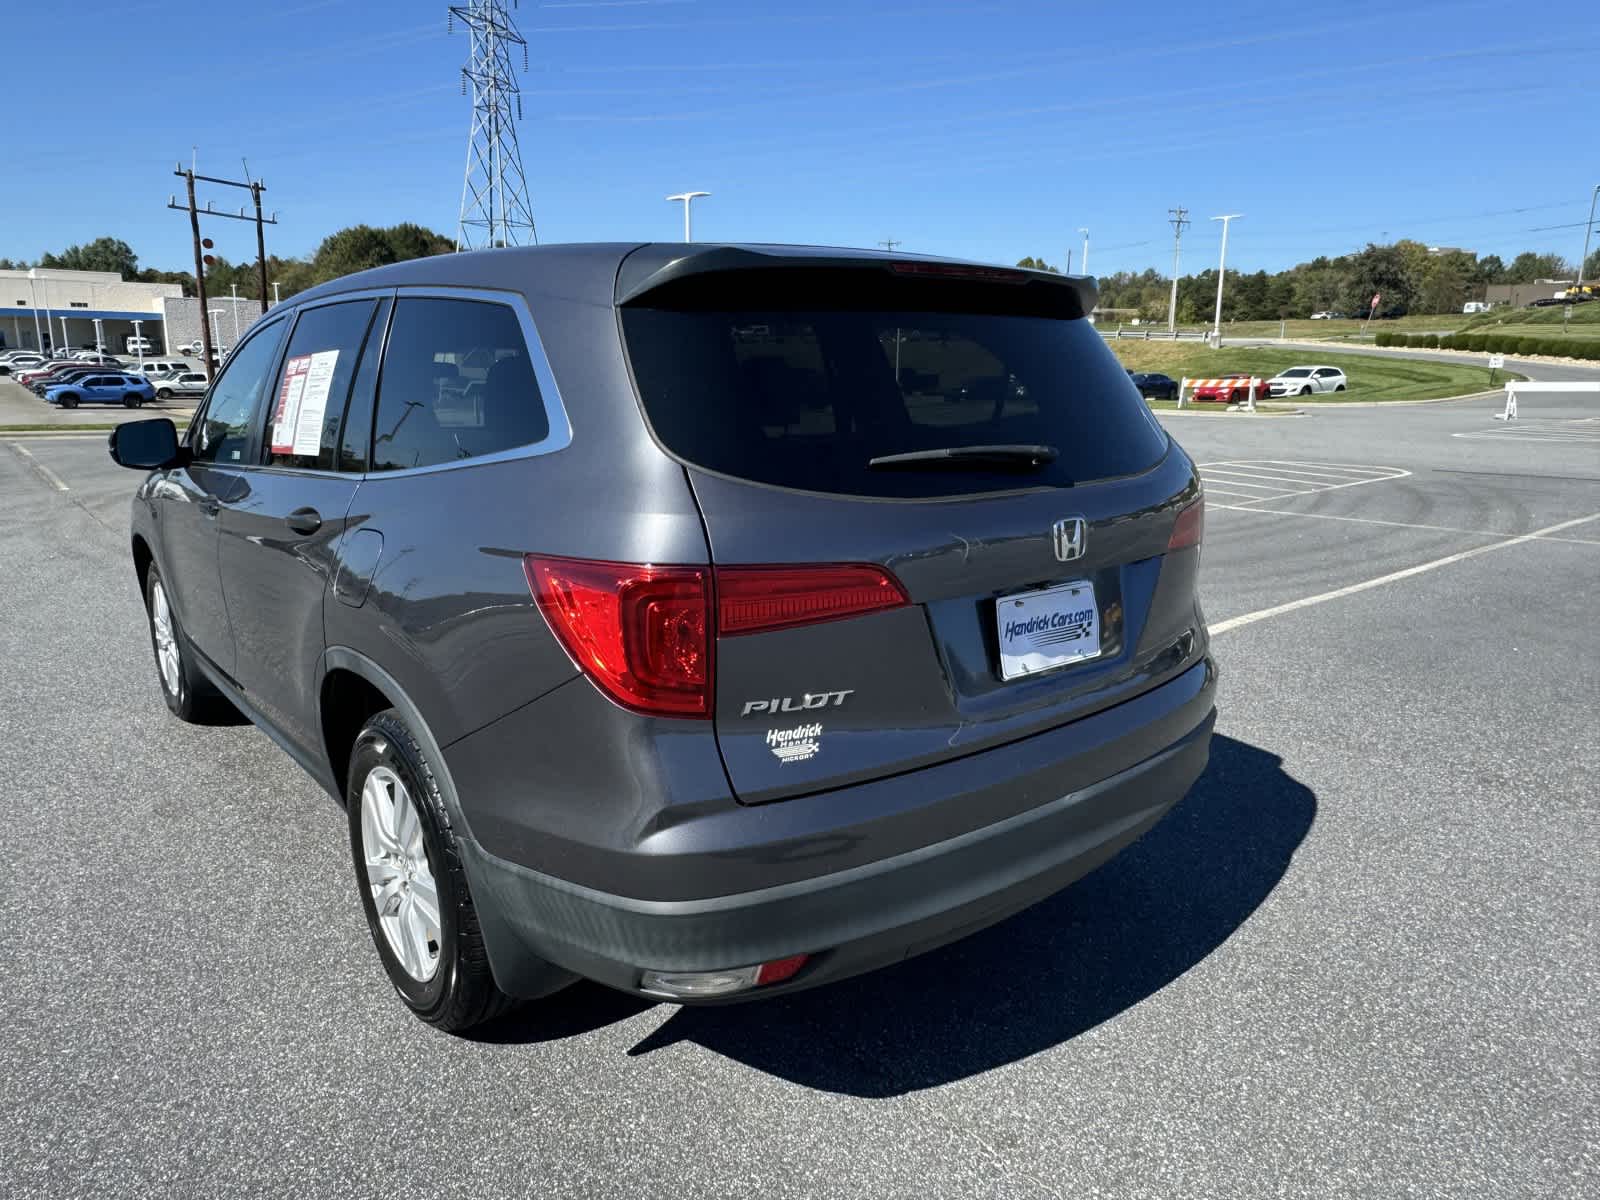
{"x":304,"y":520}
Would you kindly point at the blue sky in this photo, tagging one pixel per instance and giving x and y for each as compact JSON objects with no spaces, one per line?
{"x":981,"y":129}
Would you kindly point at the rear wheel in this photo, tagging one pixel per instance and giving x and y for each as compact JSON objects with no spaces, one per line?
{"x":69,"y":402}
{"x":132,"y":400}
{"x":413,"y":888}
{"x":1339,"y":388}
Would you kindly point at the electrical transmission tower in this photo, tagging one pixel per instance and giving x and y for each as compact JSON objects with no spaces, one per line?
{"x":494,"y":195}
{"x":1179,"y":220}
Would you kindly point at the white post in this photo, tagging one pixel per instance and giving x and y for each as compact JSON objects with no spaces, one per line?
{"x":688,"y":199}
{"x":1083,"y":267}
{"x":1183,"y":386}
{"x":216,"y":333}
{"x":99,"y":336}
{"x":1222,"y":271}
{"x":33,"y":301}
{"x":138,"y":341}
{"x":1510,"y":413}
{"x":275,"y":300}
{"x":235,"y":314}
{"x":66,"y":340}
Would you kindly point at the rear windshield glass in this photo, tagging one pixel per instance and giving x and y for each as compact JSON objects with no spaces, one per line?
{"x":805,"y":399}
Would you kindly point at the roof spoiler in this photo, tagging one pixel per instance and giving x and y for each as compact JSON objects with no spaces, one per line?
{"x":659,"y":271}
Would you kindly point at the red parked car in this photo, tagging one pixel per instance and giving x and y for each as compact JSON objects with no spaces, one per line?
{"x":1229,"y":389}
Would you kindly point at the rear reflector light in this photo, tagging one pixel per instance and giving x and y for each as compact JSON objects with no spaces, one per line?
{"x":642,"y":633}
{"x":1189,"y":527}
{"x":761,"y":599}
{"x":960,"y":271}
{"x":692,"y":984}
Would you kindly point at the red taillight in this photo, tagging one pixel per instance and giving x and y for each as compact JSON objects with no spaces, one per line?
{"x":760,"y":599}
{"x":642,"y":633}
{"x":779,"y":969}
{"x":1189,"y":527}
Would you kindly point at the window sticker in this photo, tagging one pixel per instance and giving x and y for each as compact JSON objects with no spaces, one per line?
{"x":303,"y":402}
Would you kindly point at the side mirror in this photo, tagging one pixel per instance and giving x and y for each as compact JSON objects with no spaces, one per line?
{"x":147,"y":445}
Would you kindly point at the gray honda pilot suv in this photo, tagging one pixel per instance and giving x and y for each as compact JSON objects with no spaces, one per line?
{"x":708,"y":621}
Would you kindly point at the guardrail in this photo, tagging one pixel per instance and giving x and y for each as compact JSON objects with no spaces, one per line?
{"x":1148,"y":334}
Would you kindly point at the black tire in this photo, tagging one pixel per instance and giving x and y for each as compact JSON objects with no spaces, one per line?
{"x":1339,"y":388}
{"x":1305,"y":391}
{"x":163,"y":394}
{"x":462,"y":991}
{"x":69,"y":401}
{"x":195,"y":698}
{"x":132,"y":400}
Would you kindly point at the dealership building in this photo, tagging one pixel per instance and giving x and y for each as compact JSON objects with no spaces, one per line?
{"x":47,"y":307}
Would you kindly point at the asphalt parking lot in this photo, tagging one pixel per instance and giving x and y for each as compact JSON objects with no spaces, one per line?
{"x":1362,"y":957}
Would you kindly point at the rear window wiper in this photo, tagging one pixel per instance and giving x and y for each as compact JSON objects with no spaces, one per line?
{"x":1018,"y":457}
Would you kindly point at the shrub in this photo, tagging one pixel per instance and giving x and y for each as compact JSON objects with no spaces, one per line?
{"x":1383,"y":338}
{"x":1590,"y":348}
{"x":1429,"y":341}
{"x":1477,"y":341}
{"x":1453,"y":341}
{"x":1401,"y":339}
{"x":1495,"y":343}
{"x":1532,"y":345}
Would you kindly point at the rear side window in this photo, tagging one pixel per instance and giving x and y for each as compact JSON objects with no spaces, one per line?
{"x":805,"y":399}
{"x":314,"y":384}
{"x":457,"y":383}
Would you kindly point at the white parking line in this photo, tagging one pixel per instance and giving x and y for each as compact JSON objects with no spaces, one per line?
{"x":1393,"y":576}
{"x":1311,"y":516}
{"x":1280,"y":479}
{"x":1554,"y":431}
{"x":45,"y":472}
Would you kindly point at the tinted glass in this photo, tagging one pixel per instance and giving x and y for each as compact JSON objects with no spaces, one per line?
{"x":806,"y":399}
{"x":356,"y":440}
{"x":303,"y":422}
{"x":457,"y":383}
{"x":237,"y":400}
{"x":1296,"y":373}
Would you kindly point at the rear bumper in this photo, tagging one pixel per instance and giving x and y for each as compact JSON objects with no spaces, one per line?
{"x":872,"y":914}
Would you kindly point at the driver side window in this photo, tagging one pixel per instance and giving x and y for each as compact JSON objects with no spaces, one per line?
{"x":224,"y":431}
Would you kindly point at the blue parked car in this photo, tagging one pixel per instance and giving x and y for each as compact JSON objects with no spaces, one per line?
{"x":128,"y":390}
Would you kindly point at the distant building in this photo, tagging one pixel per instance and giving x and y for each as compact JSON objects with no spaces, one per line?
{"x":1520,"y":295}
{"x":47,"y":307}
{"x":1441,"y":251}
{"x":57,"y":309}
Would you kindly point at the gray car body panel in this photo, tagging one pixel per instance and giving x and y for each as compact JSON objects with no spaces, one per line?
{"x":552,"y":781}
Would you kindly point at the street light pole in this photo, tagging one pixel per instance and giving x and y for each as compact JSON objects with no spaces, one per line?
{"x":1587,"y":230}
{"x":275,"y":300}
{"x":216,"y":336}
{"x":235,"y":314}
{"x":688,"y":199}
{"x":1083,"y":267}
{"x":1222,"y":270}
{"x":33,"y":300}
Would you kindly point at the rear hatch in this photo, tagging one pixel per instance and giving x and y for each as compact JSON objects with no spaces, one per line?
{"x":963,"y":444}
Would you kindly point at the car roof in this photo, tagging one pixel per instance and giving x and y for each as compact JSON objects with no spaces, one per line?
{"x":594,"y":271}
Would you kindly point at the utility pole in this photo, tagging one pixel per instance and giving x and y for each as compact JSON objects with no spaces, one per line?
{"x":1587,"y":230}
{"x":1083,"y":267}
{"x":1179,"y":220}
{"x":1222,"y":270}
{"x":199,"y":271}
{"x":688,"y":199}
{"x":889,"y":244}
{"x":255,"y":187}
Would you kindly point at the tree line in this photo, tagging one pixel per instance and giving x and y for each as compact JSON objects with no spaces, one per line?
{"x":1404,"y":273}
{"x":356,"y":248}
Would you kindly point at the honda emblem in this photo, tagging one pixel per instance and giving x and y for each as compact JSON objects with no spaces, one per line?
{"x":1071,"y":538}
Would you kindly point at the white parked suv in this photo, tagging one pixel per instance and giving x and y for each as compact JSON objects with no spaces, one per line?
{"x":1302,"y":381}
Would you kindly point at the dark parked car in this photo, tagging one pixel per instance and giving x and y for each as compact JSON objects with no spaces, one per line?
{"x":1153,"y":386}
{"x":651,"y":631}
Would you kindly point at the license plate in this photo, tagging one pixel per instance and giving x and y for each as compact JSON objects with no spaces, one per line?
{"x":1050,"y":628}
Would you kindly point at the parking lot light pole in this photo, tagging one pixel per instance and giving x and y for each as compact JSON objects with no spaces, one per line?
{"x":235,"y":314}
{"x":1083,"y":265}
{"x":1222,"y":271}
{"x":66,"y":339}
{"x":688,"y":199}
{"x":138,"y":343}
{"x":33,"y":299}
{"x":1587,"y":230}
{"x":216,"y":335}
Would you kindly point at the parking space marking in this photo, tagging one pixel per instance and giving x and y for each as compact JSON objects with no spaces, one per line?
{"x":1394,"y":576}
{"x":1580,"y":430}
{"x":1311,"y":516}
{"x":1279,"y":479}
{"x":44,"y":472}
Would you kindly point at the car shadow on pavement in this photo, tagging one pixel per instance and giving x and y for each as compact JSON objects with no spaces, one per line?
{"x":1037,"y":979}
